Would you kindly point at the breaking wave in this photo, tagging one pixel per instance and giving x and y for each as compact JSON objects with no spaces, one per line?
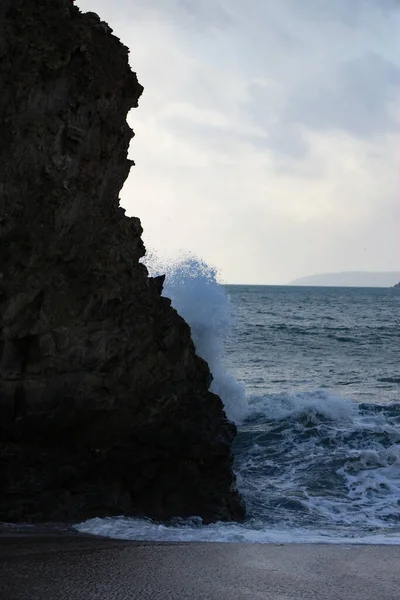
{"x":312,"y":466}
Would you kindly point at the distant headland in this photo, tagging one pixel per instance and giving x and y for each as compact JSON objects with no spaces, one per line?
{"x":352,"y":279}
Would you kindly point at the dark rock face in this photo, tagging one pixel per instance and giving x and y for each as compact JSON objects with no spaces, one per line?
{"x":105,"y":407}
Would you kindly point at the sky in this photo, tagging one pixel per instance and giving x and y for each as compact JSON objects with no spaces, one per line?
{"x":267,"y":137}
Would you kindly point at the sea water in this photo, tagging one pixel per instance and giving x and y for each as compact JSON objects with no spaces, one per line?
{"x":311,"y":376}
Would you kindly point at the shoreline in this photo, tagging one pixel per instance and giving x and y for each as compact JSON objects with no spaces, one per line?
{"x":74,"y":566}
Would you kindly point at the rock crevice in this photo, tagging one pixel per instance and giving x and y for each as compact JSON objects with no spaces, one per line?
{"x":105,"y":407}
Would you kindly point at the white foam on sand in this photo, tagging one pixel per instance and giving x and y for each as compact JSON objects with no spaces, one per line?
{"x":126,"y":528}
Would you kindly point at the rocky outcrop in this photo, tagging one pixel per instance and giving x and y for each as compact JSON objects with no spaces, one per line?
{"x":105,"y":407}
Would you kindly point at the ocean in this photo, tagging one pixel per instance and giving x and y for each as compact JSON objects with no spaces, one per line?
{"x":311,"y":376}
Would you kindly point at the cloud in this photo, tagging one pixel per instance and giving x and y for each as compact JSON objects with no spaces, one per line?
{"x":267,"y":134}
{"x":354,"y":97}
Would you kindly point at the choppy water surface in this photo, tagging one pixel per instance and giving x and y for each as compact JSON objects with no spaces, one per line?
{"x":312,"y":378}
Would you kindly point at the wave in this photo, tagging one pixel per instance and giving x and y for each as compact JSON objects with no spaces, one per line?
{"x":312,"y":466}
{"x":315,"y":458}
{"x":192,"y":530}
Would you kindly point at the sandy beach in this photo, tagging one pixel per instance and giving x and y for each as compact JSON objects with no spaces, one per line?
{"x":83,"y":568}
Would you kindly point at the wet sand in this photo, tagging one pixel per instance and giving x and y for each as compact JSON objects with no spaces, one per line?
{"x":69,"y":567}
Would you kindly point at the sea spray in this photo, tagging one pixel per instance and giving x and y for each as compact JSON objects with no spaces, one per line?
{"x":195,"y":293}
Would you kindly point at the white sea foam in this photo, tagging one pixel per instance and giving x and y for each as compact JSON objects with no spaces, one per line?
{"x":316,"y":457}
{"x":124,"y":528}
{"x":313,"y":405}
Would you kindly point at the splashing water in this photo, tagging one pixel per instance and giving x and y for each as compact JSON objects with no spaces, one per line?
{"x":195,"y":293}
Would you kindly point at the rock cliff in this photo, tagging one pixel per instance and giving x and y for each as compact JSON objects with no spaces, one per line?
{"x":105,"y":407}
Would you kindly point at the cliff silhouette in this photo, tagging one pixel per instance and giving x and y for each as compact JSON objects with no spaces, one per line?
{"x":105,"y":406}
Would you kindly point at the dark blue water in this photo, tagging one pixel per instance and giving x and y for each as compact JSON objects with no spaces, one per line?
{"x":312,"y":377}
{"x":346,"y":340}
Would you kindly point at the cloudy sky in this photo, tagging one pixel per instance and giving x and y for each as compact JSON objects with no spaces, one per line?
{"x":267,"y":138}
